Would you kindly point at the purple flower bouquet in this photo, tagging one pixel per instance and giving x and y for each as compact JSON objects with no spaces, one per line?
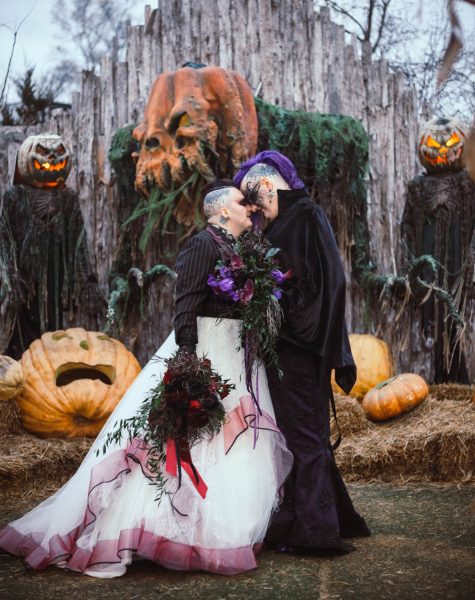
{"x":251,"y":278}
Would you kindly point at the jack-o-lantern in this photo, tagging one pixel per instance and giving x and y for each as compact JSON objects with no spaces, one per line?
{"x":73,"y":381}
{"x":43,"y":161}
{"x":198,"y":124}
{"x":441,"y":145}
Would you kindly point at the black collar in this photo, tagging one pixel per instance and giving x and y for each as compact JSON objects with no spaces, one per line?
{"x":223,"y":233}
{"x":288,"y":197}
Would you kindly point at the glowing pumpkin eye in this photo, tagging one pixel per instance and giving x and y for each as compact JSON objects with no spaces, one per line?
{"x":454,"y":139}
{"x":41,"y":150}
{"x":61,"y":149}
{"x":184,"y":120}
{"x":432,"y":143}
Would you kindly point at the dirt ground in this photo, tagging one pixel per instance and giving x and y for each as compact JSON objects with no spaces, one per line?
{"x":421,"y":548}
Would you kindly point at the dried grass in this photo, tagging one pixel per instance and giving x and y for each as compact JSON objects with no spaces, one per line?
{"x":34,"y":466}
{"x":9,"y":418}
{"x":350,"y":415}
{"x":452,"y":391}
{"x":433,"y":442}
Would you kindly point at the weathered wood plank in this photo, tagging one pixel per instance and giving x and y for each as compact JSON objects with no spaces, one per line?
{"x":294,"y":55}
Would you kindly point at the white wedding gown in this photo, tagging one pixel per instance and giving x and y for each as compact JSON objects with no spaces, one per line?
{"x":105,"y":516}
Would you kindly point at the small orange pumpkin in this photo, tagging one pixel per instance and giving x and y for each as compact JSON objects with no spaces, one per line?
{"x":373,"y":363}
{"x":73,"y":381}
{"x":395,"y":396}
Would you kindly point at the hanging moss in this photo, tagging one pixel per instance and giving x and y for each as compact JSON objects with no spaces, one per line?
{"x":330,"y":153}
{"x":130,"y":292}
{"x":123,"y":145}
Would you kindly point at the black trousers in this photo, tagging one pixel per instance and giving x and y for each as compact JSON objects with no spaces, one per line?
{"x":317,"y":510}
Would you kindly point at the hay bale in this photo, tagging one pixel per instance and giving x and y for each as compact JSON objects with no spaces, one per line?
{"x":30,"y":465}
{"x":9,"y":418}
{"x":451,"y":391}
{"x":434,"y":442}
{"x":350,"y":415}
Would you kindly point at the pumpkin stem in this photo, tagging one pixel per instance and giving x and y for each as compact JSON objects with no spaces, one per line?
{"x":386,"y":382}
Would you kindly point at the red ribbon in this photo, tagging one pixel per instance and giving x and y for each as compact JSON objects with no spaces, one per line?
{"x":173,"y":463}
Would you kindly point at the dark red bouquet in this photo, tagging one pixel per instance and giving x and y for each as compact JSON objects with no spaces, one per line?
{"x":184,"y":408}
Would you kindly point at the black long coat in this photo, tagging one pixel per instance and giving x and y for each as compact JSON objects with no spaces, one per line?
{"x":317,"y":510}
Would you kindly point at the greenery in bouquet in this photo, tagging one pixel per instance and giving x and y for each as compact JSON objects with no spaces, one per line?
{"x":250,"y":277}
{"x":184,"y":407}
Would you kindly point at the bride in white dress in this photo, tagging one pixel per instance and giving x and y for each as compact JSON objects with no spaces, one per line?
{"x":106,"y":515}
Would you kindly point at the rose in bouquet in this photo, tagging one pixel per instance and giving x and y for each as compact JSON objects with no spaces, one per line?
{"x":184,"y":408}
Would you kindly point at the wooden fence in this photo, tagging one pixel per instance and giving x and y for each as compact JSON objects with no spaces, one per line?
{"x":293,"y":56}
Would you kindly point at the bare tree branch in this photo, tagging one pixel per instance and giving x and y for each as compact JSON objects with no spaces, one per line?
{"x":382,"y":23}
{"x":15,"y":34}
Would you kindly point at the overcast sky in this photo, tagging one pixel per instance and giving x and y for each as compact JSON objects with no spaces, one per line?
{"x":36,"y":38}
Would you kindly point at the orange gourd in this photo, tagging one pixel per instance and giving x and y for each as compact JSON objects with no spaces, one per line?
{"x":395,"y":396}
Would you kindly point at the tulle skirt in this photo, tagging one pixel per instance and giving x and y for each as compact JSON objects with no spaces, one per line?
{"x":106,"y":515}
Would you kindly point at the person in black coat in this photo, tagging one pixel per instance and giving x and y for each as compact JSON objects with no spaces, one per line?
{"x":317,"y":511}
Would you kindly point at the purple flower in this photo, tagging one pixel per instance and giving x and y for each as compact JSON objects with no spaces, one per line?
{"x":236,"y":262}
{"x":226,"y":284}
{"x":278,"y":276}
{"x":277,"y":293}
{"x":235,"y":297}
{"x":224,"y":271}
{"x":212,"y":281}
{"x":247,"y":291}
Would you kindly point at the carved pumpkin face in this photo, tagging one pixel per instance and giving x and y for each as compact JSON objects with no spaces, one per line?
{"x":197,"y":122}
{"x":441,"y":145}
{"x":43,"y":161}
{"x":73,"y":381}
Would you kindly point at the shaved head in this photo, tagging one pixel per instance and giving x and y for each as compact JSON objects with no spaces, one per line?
{"x":261,"y":170}
{"x":215,"y":200}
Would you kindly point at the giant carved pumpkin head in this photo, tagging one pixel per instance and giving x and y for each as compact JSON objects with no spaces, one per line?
{"x":441,"y":145}
{"x":198,"y":122}
{"x":73,"y":381}
{"x":43,"y":161}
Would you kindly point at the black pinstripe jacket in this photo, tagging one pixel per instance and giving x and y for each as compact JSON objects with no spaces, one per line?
{"x":193,"y":295}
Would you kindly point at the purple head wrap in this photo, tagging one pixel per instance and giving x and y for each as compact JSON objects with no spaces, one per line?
{"x":277,"y":160}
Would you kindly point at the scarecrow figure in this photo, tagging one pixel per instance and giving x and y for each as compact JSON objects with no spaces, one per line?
{"x":46,"y":282}
{"x":439,"y":220}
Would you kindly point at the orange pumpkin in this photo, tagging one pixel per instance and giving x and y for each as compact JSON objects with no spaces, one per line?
{"x":395,"y":396}
{"x":198,"y":122}
{"x":73,"y":381}
{"x":373,"y":362}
